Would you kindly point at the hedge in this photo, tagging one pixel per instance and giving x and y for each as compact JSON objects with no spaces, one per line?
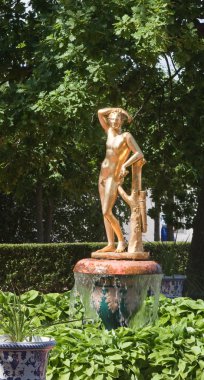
{"x":49,"y":267}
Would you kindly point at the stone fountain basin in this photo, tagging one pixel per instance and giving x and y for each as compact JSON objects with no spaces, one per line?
{"x":117,"y":267}
{"x":120,"y":292}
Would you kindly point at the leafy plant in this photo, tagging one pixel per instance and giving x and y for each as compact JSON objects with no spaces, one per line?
{"x":172,"y":349}
{"x":15,"y":321}
{"x":19,"y":322}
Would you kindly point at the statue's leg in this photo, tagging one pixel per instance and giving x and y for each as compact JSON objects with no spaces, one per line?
{"x":110,"y":195}
{"x":109,"y":230}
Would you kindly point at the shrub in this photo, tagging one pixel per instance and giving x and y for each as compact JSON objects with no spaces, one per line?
{"x":172,"y":349}
{"x":171,"y":256}
{"x":49,"y":267}
{"x":44,"y":267}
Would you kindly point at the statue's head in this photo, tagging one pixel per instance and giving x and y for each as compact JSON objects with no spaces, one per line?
{"x":116,"y":119}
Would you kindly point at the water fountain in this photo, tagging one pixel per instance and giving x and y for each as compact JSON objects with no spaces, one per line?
{"x":121,"y":287}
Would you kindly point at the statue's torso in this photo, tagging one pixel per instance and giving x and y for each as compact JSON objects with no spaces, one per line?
{"x":117,"y":152}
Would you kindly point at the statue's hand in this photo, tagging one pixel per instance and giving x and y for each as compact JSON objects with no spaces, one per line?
{"x":123,"y":172}
{"x":141,"y":162}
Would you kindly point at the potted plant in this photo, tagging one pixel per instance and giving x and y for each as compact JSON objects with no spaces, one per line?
{"x":173,"y":267}
{"x":23,"y":354}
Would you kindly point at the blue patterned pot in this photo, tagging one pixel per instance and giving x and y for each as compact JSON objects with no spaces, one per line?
{"x":172,"y":286}
{"x":24,"y":360}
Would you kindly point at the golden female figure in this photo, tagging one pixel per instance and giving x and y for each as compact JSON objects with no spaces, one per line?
{"x":113,"y":169}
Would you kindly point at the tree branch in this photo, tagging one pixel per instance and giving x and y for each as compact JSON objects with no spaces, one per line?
{"x":156,"y":89}
{"x":172,"y":61}
{"x":170,"y":76}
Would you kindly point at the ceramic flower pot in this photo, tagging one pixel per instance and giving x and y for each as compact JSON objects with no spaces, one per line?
{"x":24,"y":360}
{"x":172,"y":286}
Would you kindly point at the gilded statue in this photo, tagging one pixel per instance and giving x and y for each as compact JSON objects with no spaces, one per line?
{"x":122,"y":151}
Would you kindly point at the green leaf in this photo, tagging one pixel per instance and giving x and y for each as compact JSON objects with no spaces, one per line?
{"x":196,"y":350}
{"x":115,"y":357}
{"x":64,"y":376}
{"x":126,"y":345}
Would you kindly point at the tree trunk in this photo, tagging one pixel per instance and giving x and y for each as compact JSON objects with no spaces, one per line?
{"x":195,"y":268}
{"x":170,"y":232}
{"x":48,"y":221}
{"x":157,"y":225}
{"x":39,"y":213}
{"x":169,"y":216}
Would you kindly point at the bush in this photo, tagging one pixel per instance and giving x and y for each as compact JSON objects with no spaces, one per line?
{"x":49,"y":267}
{"x":172,"y":349}
{"x":44,"y":267}
{"x":171,"y":256}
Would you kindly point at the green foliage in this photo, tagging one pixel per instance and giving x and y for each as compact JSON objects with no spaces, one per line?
{"x":172,"y":257}
{"x":147,"y":27}
{"x":63,"y":60}
{"x":19,"y":319}
{"x":56,"y":154}
{"x":14,"y":318}
{"x":49,"y":267}
{"x":45,"y":267}
{"x":74,"y":220}
{"x":172,"y":349}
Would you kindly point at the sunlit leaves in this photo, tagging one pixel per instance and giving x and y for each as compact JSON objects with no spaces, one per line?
{"x":172,"y":349}
{"x":147,"y":27}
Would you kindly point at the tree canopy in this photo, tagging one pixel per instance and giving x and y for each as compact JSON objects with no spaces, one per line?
{"x":62,"y":60}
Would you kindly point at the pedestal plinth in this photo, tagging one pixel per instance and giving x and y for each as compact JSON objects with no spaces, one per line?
{"x":120,"y":255}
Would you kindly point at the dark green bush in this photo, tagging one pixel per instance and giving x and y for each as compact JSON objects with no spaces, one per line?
{"x":172,"y":256}
{"x":49,"y":267}
{"x":45,"y":267}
